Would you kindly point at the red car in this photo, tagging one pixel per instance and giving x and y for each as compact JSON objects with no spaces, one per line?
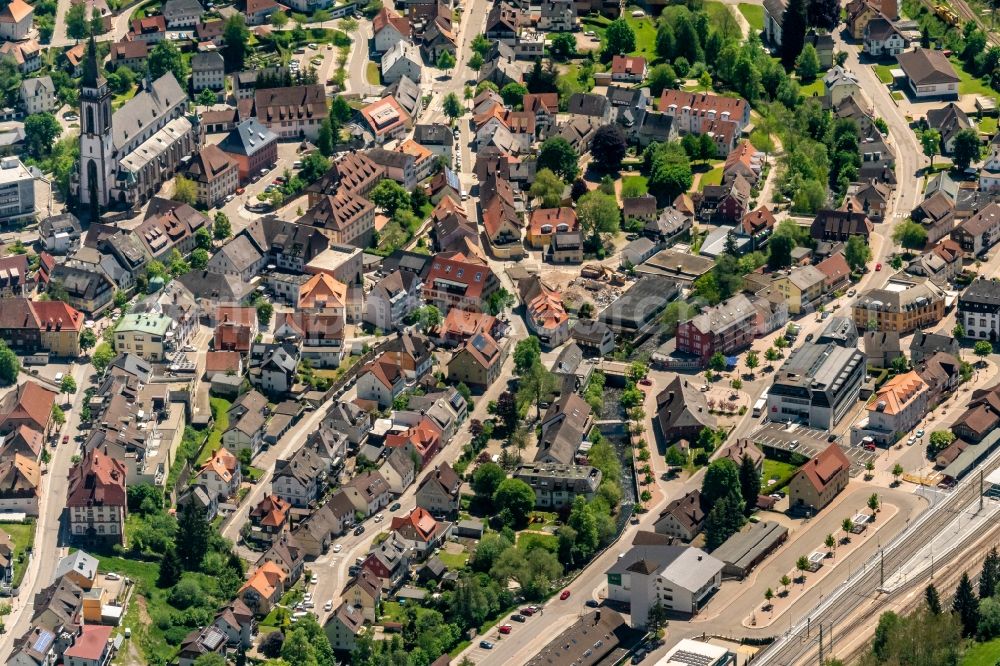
{"x":564,"y":596}
{"x":527,"y":612}
{"x":878,"y":267}
{"x":240,"y":190}
{"x":65,"y":439}
{"x":646,"y":382}
{"x":505,"y":628}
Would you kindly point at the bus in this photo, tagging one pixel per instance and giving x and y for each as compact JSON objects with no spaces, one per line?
{"x":760,"y":406}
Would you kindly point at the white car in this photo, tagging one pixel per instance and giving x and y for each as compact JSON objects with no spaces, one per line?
{"x":379,"y":518}
{"x":337,"y":548}
{"x":328,"y":606}
{"x":112,"y":576}
{"x":187,"y":348}
{"x":314,"y":579}
{"x":590,"y":33}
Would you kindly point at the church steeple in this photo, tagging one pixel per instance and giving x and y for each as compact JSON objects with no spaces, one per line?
{"x":91,"y":69}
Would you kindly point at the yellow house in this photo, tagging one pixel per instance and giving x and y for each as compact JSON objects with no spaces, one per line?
{"x":800,"y":287}
{"x":545,"y":223}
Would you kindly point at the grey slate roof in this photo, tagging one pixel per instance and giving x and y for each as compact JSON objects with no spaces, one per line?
{"x":145,"y":109}
{"x":247,"y":138}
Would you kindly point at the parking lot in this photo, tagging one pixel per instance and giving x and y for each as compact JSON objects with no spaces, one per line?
{"x":807,"y":442}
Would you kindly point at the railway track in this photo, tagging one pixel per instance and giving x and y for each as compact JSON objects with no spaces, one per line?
{"x":837,"y":609}
{"x":966,"y":13}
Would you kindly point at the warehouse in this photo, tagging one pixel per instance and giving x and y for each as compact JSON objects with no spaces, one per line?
{"x":746,"y":549}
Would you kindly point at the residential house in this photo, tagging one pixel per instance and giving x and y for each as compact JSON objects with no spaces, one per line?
{"x":392,"y":299}
{"x":301,"y":479}
{"x":294,"y":112}
{"x":564,"y":426}
{"x":546,"y":317}
{"x":557,"y":485}
{"x":380,"y":381}
{"x":96,"y":498}
{"x":545,"y":223}
{"x":683,"y":518}
{"x":344,"y":627}
{"x":269,"y":518}
{"x":802,"y":287}
{"x":214,"y":173}
{"x":840,"y":225}
{"x":924,"y":345}
{"x":903,"y":305}
{"x":628,"y":69}
{"x":389,"y":29}
{"x":594,"y":337}
{"x":398,"y":470}
{"x":389,"y":561}
{"x":20,"y":478}
{"x":456,"y":280}
{"x":348,"y":418}
{"x":364,"y":593}
{"x":368,"y":492}
{"x":16,"y":20}
{"x":899,"y":405}
{"x":287,"y":555}
{"x":264,"y":588}
{"x":979,"y":309}
{"x":252,"y":146}
{"x":402,"y":59}
{"x":220,"y":474}
{"x":38,"y":95}
{"x":819,"y":480}
{"x":146,"y":335}
{"x":93,"y":647}
{"x":882,"y":38}
{"x":949,"y":121}
{"x":557,"y":16}
{"x":682,"y":411}
{"x":929,"y":73}
{"x":419,"y":532}
{"x":439,"y":491}
{"x":980,"y":232}
{"x":478,"y":362}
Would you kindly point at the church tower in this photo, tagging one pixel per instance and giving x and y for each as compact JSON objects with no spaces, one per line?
{"x":96,"y":146}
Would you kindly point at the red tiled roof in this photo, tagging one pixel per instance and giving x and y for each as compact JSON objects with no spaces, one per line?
{"x":97,"y":480}
{"x":824,"y":468}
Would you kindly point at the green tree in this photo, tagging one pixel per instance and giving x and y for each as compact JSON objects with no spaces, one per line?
{"x":857,"y":253}
{"x":221,"y":227}
{"x":722,"y":479}
{"x":488,"y":551}
{"x":966,"y":606}
{"x":210,"y":659}
{"x":324,"y":140}
{"x":165,"y":57}
{"x":199,"y":259}
{"x":717,"y":362}
{"x":170,"y":568}
{"x":498,"y":301}
{"x":669,"y":170}
{"x":749,"y":484}
{"x":780,"y":251}
{"x":897,"y":471}
{"x":77,"y":23}
{"x":264,"y":313}
{"x":58,"y":415}
{"x":517,"y":498}
{"x":87,"y":339}
{"x":793,"y":31}
{"x":480,"y":44}
{"x":930,"y":141}
{"x":445,"y":61}
{"x":619,"y":39}
{"x":10,"y":365}
{"x":966,"y":151}
{"x":548,"y":187}
{"x":933,"y":600}
{"x":67,"y":385}
{"x":193,"y":535}
{"x":989,"y":579}
{"x":558,"y":156}
{"x":958,"y":332}
{"x":453,"y":105}
{"x":661,"y":77}
{"x":940,"y":440}
{"x":752,"y":361}
{"x":202,"y":239}
{"x":807,"y":64}
{"x":608,"y":148}
{"x":527,"y":353}
{"x":206,"y":97}
{"x":599,"y":214}
{"x":910,"y":235}
{"x":236,"y":42}
{"x":983,"y":349}
{"x":563,"y":46}
{"x":513,"y":94}
{"x":487,"y":479}
{"x":582,"y":521}
{"x":185,"y":190}
{"x":390,"y":196}
{"x":476,"y":62}
{"x":100,"y":359}
{"x":535,"y":386}
{"x":723,"y":520}
{"x":40,"y":133}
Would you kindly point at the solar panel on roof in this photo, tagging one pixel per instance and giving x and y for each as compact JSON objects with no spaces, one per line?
{"x":41,"y":644}
{"x":691,"y":658}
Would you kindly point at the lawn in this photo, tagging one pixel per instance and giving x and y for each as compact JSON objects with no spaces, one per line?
{"x":813,"y":89}
{"x":454,"y":561}
{"x":884,"y":73}
{"x":220,"y":420}
{"x":754,"y":14}
{"x":392,"y":611}
{"x":988,"y":125}
{"x":645,"y":34}
{"x":147,"y":635}
{"x":968,"y":84}
{"x":983,"y":654}
{"x":22,"y":536}
{"x":635,"y":185}
{"x":781,"y":472}
{"x":713,"y":177}
{"x":373,"y":74}
{"x":529,"y":540}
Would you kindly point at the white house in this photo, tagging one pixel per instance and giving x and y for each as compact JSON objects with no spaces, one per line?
{"x":989,"y":175}
{"x":393,"y":297}
{"x":929,"y":73}
{"x":389,"y":28}
{"x":38,"y":95}
{"x":220,"y":474}
{"x":300,"y":479}
{"x":246,"y":433}
{"x":182,"y":13}
{"x":208,"y":71}
{"x":402,"y":59}
{"x":883,"y":39}
{"x":381,"y":381}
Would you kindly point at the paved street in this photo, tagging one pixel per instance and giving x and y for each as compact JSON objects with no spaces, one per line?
{"x":49,"y":538}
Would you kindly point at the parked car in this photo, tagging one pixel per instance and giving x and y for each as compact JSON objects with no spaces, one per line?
{"x":878,"y":267}
{"x":328,"y":606}
{"x":591,"y":603}
{"x":564,"y":596}
{"x":506,"y":628}
{"x":395,"y":506}
{"x":920,"y":433}
{"x":517,"y":617}
{"x":337,"y":548}
{"x":359,"y":530}
{"x":486,"y":645}
{"x":527,"y":611}
{"x":65,"y":439}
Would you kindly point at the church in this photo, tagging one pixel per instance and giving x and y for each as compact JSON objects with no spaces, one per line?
{"x":127,"y":155}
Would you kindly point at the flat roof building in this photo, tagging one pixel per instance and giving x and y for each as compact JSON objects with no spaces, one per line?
{"x":817,"y":385}
{"x":557,"y":485}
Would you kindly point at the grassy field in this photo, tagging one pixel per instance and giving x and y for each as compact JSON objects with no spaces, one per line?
{"x":454,"y":560}
{"x":884,"y":73}
{"x":372,"y":74}
{"x":529,"y":540}
{"x":147,"y":635}
{"x":638,"y":185}
{"x":713,"y":177}
{"x":754,"y":14}
{"x":983,"y":654}
{"x":22,"y":536}
{"x":812,"y":89}
{"x":781,"y":472}
{"x":392,"y":611}
{"x":968,"y":84}
{"x":220,"y":418}
{"x":644,"y":27}
{"x":988,"y":125}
